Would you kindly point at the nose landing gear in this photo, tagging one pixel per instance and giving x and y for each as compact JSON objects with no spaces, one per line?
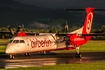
{"x":27,"y":54}
{"x":11,"y":56}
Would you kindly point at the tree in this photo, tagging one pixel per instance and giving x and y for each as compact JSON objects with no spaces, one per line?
{"x":103,"y":28}
{"x":53,"y":30}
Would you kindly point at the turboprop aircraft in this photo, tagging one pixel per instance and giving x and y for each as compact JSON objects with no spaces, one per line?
{"x":52,"y":41}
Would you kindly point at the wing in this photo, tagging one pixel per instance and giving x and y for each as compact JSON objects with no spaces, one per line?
{"x":91,"y":34}
{"x":5,"y":32}
{"x":94,"y":34}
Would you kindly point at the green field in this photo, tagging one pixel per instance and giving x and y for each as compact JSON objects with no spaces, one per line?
{"x":91,"y":46}
{"x":2,"y":49}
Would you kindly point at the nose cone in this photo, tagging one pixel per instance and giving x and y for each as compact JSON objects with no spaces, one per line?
{"x":9,"y":49}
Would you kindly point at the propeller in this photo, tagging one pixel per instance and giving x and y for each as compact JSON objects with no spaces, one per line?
{"x":94,"y":34}
{"x":12,"y":32}
{"x":18,"y":29}
{"x":63,"y":37}
{"x":89,"y":8}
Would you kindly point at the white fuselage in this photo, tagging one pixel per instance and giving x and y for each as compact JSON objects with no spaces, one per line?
{"x":28,"y":44}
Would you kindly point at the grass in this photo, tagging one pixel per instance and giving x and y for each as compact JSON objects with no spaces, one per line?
{"x":93,"y":46}
{"x":90,"y":46}
{"x":4,"y":41}
{"x":2,"y":49}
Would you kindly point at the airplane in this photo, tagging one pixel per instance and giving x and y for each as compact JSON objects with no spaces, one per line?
{"x":52,"y":41}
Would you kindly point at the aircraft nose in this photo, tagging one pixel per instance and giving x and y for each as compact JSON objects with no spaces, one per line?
{"x":7,"y":51}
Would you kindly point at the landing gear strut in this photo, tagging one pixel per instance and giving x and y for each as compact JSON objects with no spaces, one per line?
{"x":27,"y":54}
{"x":11,"y":56}
{"x":78,"y":55}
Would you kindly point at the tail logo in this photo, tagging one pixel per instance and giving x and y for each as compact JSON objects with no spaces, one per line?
{"x":89,"y":22}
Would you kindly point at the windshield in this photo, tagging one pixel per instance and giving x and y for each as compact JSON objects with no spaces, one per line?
{"x":22,"y":41}
{"x":16,"y":41}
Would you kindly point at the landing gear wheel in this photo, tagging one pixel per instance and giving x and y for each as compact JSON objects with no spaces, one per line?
{"x":78,"y":55}
{"x":12,"y":56}
{"x":27,"y":54}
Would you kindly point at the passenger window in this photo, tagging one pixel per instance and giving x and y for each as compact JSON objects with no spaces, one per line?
{"x":22,"y":41}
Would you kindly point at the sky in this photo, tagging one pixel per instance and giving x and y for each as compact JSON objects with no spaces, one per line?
{"x":62,"y":4}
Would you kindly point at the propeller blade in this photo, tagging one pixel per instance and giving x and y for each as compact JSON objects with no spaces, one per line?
{"x":18,"y":29}
{"x":9,"y":28}
{"x":85,"y":9}
{"x":94,"y":34}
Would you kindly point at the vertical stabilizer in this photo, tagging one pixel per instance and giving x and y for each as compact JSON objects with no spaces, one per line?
{"x":88,"y":21}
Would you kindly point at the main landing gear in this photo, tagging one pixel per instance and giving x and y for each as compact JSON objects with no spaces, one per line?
{"x":78,"y":55}
{"x":12,"y":56}
{"x":27,"y":54}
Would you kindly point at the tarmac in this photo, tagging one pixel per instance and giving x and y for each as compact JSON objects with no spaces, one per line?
{"x":36,"y":59}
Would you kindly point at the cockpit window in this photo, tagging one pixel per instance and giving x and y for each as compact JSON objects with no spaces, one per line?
{"x":22,"y":41}
{"x":15,"y":41}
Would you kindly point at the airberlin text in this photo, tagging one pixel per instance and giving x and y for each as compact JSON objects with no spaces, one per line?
{"x":40,"y":43}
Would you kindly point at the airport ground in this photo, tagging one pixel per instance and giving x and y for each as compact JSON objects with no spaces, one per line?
{"x":93,"y":59}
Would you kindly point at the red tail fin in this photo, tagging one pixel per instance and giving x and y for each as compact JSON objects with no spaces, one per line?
{"x":88,"y":20}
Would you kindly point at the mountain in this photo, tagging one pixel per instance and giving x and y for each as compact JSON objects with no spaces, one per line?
{"x":14,"y":13}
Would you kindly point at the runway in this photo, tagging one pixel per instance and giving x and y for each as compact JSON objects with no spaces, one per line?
{"x":49,"y":59}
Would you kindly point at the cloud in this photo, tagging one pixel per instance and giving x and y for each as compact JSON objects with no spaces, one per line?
{"x":39,"y":25}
